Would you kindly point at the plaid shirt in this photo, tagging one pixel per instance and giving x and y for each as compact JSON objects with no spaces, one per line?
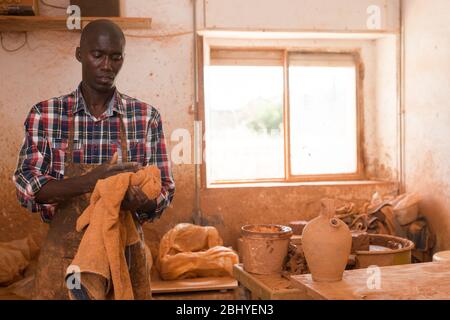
{"x":41,"y":158}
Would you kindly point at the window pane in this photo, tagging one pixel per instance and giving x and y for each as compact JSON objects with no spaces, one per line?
{"x":243,"y":121}
{"x":323,"y":121}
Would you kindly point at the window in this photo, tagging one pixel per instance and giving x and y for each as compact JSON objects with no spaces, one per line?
{"x":280,"y":116}
{"x":323,"y":120}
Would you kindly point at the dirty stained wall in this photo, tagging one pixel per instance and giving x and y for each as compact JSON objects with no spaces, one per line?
{"x":159,"y":71}
{"x":427,"y":111}
{"x":383,"y":162}
{"x":340,"y":15}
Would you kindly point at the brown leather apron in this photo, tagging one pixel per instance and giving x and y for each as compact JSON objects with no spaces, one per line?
{"x":63,"y":240}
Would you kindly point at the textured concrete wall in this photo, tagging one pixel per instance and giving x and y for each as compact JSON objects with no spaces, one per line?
{"x":159,"y":71}
{"x":298,"y":14}
{"x":427,"y":109}
{"x":382,"y":163}
{"x":229,"y":209}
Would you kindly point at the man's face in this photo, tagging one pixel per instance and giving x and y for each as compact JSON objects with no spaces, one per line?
{"x":101,"y":57}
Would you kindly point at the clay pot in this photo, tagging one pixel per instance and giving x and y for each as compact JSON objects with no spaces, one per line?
{"x":327,"y":243}
{"x":381,"y":255}
{"x":264,"y":247}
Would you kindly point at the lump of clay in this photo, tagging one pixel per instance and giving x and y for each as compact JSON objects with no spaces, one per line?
{"x":190,"y":251}
{"x":15,"y":257}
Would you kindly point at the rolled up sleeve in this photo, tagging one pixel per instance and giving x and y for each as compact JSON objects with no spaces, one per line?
{"x":159,"y":157}
{"x":33,"y":169}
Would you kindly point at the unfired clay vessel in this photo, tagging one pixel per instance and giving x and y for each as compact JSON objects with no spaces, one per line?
{"x":327,"y":243}
{"x":264,"y":247}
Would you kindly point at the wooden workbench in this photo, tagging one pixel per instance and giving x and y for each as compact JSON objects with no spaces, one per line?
{"x":419,"y":281}
{"x":196,"y":284}
{"x":206,"y":288}
{"x":266,"y":287}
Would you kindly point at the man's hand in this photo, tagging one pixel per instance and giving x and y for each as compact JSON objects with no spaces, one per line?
{"x":107,"y":170}
{"x":136,"y":200}
{"x":56,"y":191}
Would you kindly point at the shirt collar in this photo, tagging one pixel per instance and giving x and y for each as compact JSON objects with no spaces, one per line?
{"x":115,"y":104}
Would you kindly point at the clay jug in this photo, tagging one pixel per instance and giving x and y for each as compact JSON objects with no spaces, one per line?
{"x":327,"y":243}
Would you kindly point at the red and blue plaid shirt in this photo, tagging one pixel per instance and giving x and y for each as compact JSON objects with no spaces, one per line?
{"x":41,"y":157}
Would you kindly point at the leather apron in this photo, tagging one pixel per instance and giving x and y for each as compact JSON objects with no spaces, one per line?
{"x":63,"y":240}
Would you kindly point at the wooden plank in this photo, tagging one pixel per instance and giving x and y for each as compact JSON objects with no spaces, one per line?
{"x":420,"y":281}
{"x":267,"y":287}
{"x":195,"y":284}
{"x":16,"y":23}
{"x":201,"y":295}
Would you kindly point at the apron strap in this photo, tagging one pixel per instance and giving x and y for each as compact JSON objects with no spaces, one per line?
{"x":69,"y":154}
{"x":68,"y":159}
{"x":123,"y":140}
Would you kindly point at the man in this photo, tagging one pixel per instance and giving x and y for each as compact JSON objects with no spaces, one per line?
{"x":69,"y":145}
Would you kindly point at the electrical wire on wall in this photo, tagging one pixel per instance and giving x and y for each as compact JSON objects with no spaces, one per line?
{"x":197,"y":215}
{"x":401,"y":107}
{"x":25,"y":42}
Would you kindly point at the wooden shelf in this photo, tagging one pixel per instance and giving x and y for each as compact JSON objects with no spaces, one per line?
{"x":35,"y":23}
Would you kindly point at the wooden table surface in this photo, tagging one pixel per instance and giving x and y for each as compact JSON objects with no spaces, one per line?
{"x":267,"y":287}
{"x":419,"y":281}
{"x":196,"y":284}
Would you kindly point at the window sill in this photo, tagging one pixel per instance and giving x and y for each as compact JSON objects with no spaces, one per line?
{"x":300,"y":184}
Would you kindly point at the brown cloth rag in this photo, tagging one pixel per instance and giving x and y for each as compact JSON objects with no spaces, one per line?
{"x":101,"y":253}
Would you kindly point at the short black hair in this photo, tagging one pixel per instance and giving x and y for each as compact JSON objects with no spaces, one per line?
{"x":101,"y":26}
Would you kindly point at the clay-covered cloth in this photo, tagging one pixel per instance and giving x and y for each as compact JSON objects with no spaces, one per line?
{"x":101,"y":257}
{"x":15,"y":256}
{"x":189,"y":251}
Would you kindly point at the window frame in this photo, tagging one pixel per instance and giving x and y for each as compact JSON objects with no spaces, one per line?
{"x":355,"y":53}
